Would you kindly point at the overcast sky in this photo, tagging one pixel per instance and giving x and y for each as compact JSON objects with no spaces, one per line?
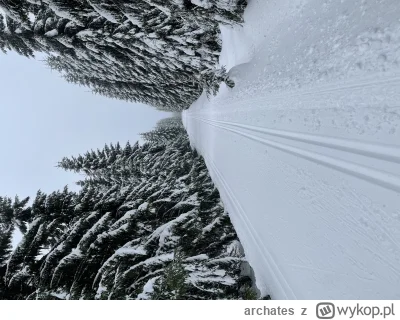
{"x":44,"y":118}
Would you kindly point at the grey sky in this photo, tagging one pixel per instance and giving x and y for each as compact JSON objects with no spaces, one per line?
{"x":44,"y":118}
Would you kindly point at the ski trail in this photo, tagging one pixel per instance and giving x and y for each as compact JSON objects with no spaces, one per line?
{"x":269,"y":261}
{"x":381,"y":178}
{"x":379,"y":151}
{"x":328,"y":92}
{"x":305,"y":149}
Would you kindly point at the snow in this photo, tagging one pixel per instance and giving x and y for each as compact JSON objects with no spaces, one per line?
{"x":191,"y":200}
{"x":92,"y":231}
{"x":51,"y":33}
{"x":130,"y":251}
{"x":100,"y":291}
{"x":16,"y":238}
{"x":3,"y":13}
{"x":163,"y":9}
{"x":143,"y":207}
{"x":305,"y":149}
{"x":61,"y":295}
{"x":198,"y":257}
{"x":63,"y":13}
{"x":163,"y":231}
{"x":203,"y":275}
{"x":103,"y":13}
{"x":125,"y":250}
{"x":234,"y":249}
{"x":152,"y":261}
{"x":177,"y":39}
{"x":66,"y":42}
{"x":134,"y":20}
{"x":223,"y":260}
{"x":186,"y":50}
{"x":121,"y":252}
{"x":209,"y":227}
{"x":85,"y":33}
{"x":148,"y":289}
{"x":42,"y":253}
{"x":202,"y":3}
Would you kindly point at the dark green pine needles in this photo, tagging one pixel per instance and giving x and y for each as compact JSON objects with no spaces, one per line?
{"x":148,"y":223}
{"x":156,"y":52}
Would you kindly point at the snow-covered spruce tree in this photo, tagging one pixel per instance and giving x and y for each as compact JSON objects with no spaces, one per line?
{"x":48,"y":218}
{"x":172,"y":284}
{"x":12,"y":214}
{"x":6,"y":232}
{"x":152,"y":228}
{"x":161,"y":53}
{"x":166,"y":130}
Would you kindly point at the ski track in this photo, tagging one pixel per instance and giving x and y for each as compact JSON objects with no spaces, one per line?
{"x":389,"y":153}
{"x":305,"y":149}
{"x":371,"y":175}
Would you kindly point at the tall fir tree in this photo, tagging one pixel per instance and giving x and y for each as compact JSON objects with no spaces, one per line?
{"x":147,"y":225}
{"x":161,"y":53}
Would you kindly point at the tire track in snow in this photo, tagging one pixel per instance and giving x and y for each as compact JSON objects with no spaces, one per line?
{"x":374,"y":176}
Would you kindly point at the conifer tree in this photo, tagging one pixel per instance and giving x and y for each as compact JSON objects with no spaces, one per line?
{"x":161,"y":53}
{"x":6,"y":229}
{"x":147,"y":225}
{"x":172,"y":284}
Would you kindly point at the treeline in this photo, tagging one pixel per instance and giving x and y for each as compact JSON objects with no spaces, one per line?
{"x":157,"y":52}
{"x":148,"y":223}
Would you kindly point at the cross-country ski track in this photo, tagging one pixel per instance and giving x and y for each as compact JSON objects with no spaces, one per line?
{"x":305,"y":149}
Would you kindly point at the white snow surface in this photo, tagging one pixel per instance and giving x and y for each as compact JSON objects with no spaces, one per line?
{"x":103,"y":13}
{"x":42,"y":253}
{"x":148,"y":289}
{"x":51,"y":33}
{"x":202,"y":3}
{"x":305,"y":149}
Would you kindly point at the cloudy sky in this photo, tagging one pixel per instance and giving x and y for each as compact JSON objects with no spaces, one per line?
{"x":43,"y":118}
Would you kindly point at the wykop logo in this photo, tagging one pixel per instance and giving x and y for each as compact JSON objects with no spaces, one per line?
{"x":325,"y":310}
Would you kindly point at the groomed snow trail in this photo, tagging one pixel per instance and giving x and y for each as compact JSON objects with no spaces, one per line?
{"x":305,"y":150}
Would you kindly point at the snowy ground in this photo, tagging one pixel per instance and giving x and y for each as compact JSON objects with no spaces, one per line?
{"x":305,"y":149}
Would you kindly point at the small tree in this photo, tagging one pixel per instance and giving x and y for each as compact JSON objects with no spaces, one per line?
{"x":248,"y":293}
{"x":172,"y":285}
{"x":211,"y":80}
